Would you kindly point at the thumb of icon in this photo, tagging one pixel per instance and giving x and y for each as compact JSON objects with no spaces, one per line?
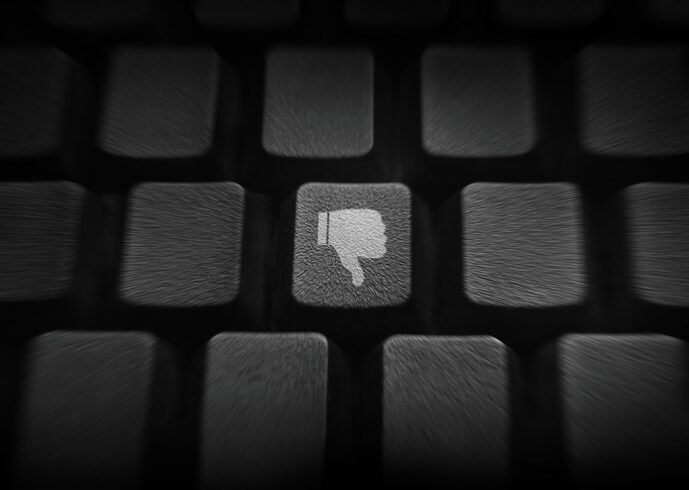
{"x":351,"y":262}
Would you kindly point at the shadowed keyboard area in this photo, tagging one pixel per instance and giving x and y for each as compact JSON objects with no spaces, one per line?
{"x":331,"y":244}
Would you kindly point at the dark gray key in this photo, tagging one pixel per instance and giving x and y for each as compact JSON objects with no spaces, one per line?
{"x":554,"y":13}
{"x":523,"y":245}
{"x":160,"y":104}
{"x":318,"y":103}
{"x":446,"y":414}
{"x":634,"y":101}
{"x":658,"y":234}
{"x":84,"y":411}
{"x":668,"y":11}
{"x":625,"y":408}
{"x":264,"y":411}
{"x":247,"y":14}
{"x":396,"y":13}
{"x":477,"y":102}
{"x":97,"y":14}
{"x":40,"y":229}
{"x":183,"y":245}
{"x":33,"y":88}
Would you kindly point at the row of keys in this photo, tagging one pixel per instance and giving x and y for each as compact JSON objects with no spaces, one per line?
{"x":349,"y":251}
{"x":437,"y":410}
{"x":110,"y":15}
{"x":174,"y":114}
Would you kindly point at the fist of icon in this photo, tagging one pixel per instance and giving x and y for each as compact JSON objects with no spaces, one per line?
{"x":354,"y":233}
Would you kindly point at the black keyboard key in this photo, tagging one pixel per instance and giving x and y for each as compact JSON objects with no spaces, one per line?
{"x":40,"y":226}
{"x":625,"y":408}
{"x":657,"y":220}
{"x":550,"y":13}
{"x":352,"y":254}
{"x":84,"y":411}
{"x":477,"y":102}
{"x":396,"y":13}
{"x":184,"y":248}
{"x":34,"y":83}
{"x":160,"y":112}
{"x":519,"y":248}
{"x":97,"y":14}
{"x":446,"y":411}
{"x":264,"y":411}
{"x":634,"y":101}
{"x":318,"y":103}
{"x":247,"y":14}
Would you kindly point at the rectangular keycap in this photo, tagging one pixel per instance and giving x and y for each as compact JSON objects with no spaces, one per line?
{"x":264,"y":411}
{"x":625,"y":409}
{"x":85,"y":409}
{"x":40,"y":225}
{"x":446,"y":413}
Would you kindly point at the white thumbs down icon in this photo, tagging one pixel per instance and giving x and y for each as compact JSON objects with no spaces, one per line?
{"x":354,"y":233}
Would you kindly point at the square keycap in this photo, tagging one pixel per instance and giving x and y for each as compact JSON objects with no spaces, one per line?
{"x":318,"y":103}
{"x":352,"y":245}
{"x":523,"y":245}
{"x":183,"y":245}
{"x":625,"y":406}
{"x":33,"y":88}
{"x":84,"y":413}
{"x":39,"y":239}
{"x":160,"y":103}
{"x":446,"y":410}
{"x":634,"y":101}
{"x":658,"y":227}
{"x":477,"y":102}
{"x":264,"y":411}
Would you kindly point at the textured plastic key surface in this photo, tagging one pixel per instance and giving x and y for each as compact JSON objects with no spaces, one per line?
{"x":352,"y":245}
{"x":183,"y":245}
{"x":264,"y":411}
{"x":625,"y":407}
{"x":96,"y":14}
{"x":40,"y":229}
{"x":477,"y":102}
{"x":33,"y":84}
{"x":160,"y":103}
{"x":396,"y":13}
{"x":523,"y":245}
{"x":446,"y":414}
{"x":634,"y":101}
{"x":84,"y":412}
{"x":318,"y":103}
{"x":658,"y":237}
{"x":555,"y":13}
{"x":245,"y":14}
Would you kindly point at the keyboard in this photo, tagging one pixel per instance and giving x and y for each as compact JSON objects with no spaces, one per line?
{"x":339,"y":243}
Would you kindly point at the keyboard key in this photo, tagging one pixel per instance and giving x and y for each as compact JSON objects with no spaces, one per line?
{"x":634,"y":101}
{"x":318,"y":103}
{"x":97,"y":14}
{"x":625,"y":408}
{"x":668,"y":11}
{"x":477,"y":102}
{"x":84,"y":412}
{"x":33,"y":84}
{"x":446,"y":414}
{"x":264,"y":411}
{"x":183,"y":250}
{"x":246,"y":14}
{"x":553,"y":13}
{"x":522,"y":247}
{"x":40,"y":228}
{"x":657,"y":216}
{"x":396,"y":13}
{"x":352,"y":254}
